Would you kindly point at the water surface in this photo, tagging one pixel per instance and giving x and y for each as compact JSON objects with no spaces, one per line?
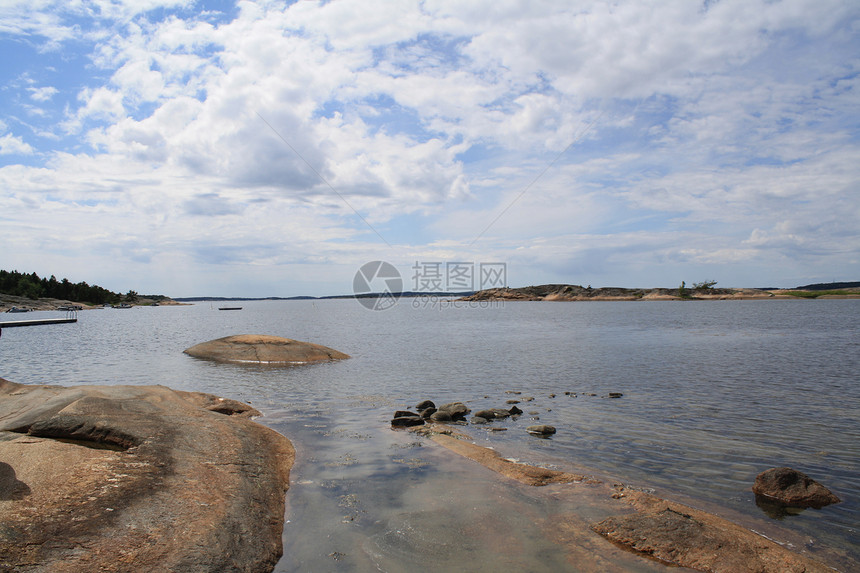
{"x":713,"y":393}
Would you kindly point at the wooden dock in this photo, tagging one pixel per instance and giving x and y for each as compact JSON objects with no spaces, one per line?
{"x":35,"y":322}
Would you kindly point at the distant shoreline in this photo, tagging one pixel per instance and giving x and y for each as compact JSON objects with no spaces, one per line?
{"x":549,"y":292}
{"x":558,"y":292}
{"x":49,"y":304}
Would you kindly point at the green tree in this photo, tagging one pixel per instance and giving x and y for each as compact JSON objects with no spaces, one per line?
{"x":704,"y":285}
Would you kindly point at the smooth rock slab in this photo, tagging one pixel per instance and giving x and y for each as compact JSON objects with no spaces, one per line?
{"x":137,"y":478}
{"x":263,"y":349}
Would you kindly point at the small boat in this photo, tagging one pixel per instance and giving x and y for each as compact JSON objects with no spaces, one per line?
{"x":229,"y":308}
{"x":123,"y":305}
{"x":18,"y":309}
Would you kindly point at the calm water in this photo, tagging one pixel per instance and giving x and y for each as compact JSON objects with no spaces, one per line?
{"x":714,"y":393}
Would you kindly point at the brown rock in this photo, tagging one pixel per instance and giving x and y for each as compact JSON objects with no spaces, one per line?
{"x":441,"y":416}
{"x":407,"y":421}
{"x":263,"y":349}
{"x":688,"y":538}
{"x":119,"y":478}
{"x":793,"y":488}
{"x":457,"y":410}
{"x":542,"y":430}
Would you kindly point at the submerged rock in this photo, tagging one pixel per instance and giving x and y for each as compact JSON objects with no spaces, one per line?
{"x":263,"y":349}
{"x":542,"y":430}
{"x":493,"y":414}
{"x":794,"y":488}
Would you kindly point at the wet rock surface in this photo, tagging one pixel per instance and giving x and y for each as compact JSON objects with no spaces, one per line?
{"x":542,"y":430}
{"x":668,"y":532}
{"x":792,"y":488}
{"x":263,"y":349}
{"x":120,"y":478}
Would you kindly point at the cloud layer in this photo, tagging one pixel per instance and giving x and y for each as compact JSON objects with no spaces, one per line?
{"x":271,"y":148}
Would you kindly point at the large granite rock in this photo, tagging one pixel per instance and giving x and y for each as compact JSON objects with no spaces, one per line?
{"x":263,"y":349}
{"x":791,"y":487}
{"x":143,"y":478}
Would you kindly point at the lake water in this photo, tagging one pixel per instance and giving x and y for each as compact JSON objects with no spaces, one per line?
{"x":713,"y":393}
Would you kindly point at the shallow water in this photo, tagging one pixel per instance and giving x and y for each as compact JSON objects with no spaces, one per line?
{"x":714,"y":393}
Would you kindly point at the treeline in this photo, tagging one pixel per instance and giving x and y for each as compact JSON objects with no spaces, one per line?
{"x":32,"y":287}
{"x":829,"y":286}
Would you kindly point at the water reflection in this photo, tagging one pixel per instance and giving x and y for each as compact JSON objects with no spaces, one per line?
{"x":713,"y":394}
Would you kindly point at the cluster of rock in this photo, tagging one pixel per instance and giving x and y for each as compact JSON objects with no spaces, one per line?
{"x":456,"y":412}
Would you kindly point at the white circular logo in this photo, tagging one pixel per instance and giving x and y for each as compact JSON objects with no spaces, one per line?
{"x":377,"y":285}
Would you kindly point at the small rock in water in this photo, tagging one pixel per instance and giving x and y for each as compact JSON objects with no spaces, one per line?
{"x":552,"y":395}
{"x":427,"y":412}
{"x":512,"y":392}
{"x":512,"y":401}
{"x":479,"y":420}
{"x":794,"y":488}
{"x":404,"y":414}
{"x":541,"y":430}
{"x":407,"y":422}
{"x":493,"y":414}
{"x":441,"y":416}
{"x":615,"y":394}
{"x":425,"y":404}
{"x":457,"y":410}
{"x":514,"y":411}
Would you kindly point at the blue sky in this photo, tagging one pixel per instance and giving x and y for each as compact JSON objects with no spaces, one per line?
{"x":267,"y":148}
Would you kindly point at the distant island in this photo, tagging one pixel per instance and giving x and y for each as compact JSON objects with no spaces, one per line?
{"x":29,"y":291}
{"x":329,"y":297}
{"x":701,"y":291}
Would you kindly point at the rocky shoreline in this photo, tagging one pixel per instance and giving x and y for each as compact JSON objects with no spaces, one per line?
{"x":562,"y":292}
{"x":672,"y":533}
{"x":639,"y":521}
{"x":8,"y":302}
{"x":143,"y":478}
{"x":121,"y":478}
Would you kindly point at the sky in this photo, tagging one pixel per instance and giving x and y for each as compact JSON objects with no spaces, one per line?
{"x":271,"y":148}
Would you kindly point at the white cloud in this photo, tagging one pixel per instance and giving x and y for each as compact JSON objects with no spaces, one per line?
{"x":716,"y":136}
{"x":42,"y":94}
{"x":11,"y":144}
